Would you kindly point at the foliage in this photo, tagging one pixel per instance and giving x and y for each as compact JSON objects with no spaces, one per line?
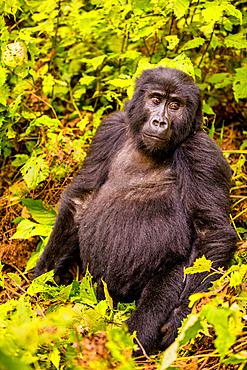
{"x":225,"y":314}
{"x":64,"y":65}
{"x":45,"y":220}
{"x":32,"y":336}
{"x":48,"y":326}
{"x":75,"y":60}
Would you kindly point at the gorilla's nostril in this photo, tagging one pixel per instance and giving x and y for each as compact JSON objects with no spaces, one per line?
{"x":163,"y":124}
{"x":156,"y":122}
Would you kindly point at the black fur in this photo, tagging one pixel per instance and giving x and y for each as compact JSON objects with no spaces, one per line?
{"x":141,"y":209}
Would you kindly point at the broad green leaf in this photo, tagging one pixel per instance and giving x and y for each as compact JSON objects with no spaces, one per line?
{"x":45,"y":120}
{"x":195,"y":43}
{"x":179,"y":7}
{"x":221,"y":80}
{"x":230,"y":9}
{"x":34,"y":171}
{"x":181,"y":62}
{"x":88,"y":290}
{"x":190,"y":330}
{"x":87,"y":80}
{"x":119,"y":82}
{"x":96,"y":62}
{"x":219,"y":318}
{"x":20,"y":160}
{"x":237,"y":41}
{"x":207,"y":109}
{"x":200,"y":265}
{"x":38,"y":212}
{"x":173,"y":41}
{"x":240,"y":83}
{"x":236,"y":277}
{"x":213,"y":11}
{"x":144,"y":32}
{"x":101,"y":308}
{"x":24,"y":230}
{"x":10,"y":362}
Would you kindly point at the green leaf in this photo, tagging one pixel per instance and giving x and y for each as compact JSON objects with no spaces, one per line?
{"x":15,"y":277}
{"x":119,"y":82}
{"x":55,"y":357}
{"x":31,"y":263}
{"x":5,"y":90}
{"x":88,"y":290}
{"x":97,"y":61}
{"x":107,"y":296}
{"x":34,"y":171}
{"x":213,"y":11}
{"x":219,"y":317}
{"x":237,"y":41}
{"x":87,"y":80}
{"x":144,"y":32}
{"x":38,"y":212}
{"x":200,"y":265}
{"x":190,"y":330}
{"x":10,"y":362}
{"x":170,"y":355}
{"x":27,"y":229}
{"x":212,"y":130}
{"x":3,"y":75}
{"x":179,"y":7}
{"x":20,"y":160}
{"x":233,"y":11}
{"x":24,"y":230}
{"x":195,"y":43}
{"x":207,"y":109}
{"x":240,"y":83}
{"x":237,"y":275}
{"x":173,"y":41}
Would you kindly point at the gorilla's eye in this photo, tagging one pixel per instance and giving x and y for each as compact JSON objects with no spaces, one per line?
{"x":174,"y":105}
{"x":156,"y":100}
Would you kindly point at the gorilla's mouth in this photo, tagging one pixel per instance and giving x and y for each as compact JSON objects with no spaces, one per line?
{"x":158,"y":138}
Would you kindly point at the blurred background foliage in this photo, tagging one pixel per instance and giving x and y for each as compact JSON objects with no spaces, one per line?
{"x":65,"y":64}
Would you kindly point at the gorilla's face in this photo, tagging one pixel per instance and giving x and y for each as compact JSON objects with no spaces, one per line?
{"x":164,"y":111}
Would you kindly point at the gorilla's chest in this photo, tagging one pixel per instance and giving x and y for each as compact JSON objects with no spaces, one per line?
{"x":133,"y":218}
{"x":134,"y":177}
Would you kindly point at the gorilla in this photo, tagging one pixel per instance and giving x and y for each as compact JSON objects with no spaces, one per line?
{"x":151,"y":197}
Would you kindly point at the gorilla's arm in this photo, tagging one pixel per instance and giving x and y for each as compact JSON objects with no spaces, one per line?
{"x":63,"y":243}
{"x":207,"y":187}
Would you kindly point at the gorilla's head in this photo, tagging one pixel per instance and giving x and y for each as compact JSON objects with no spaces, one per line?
{"x":164,"y":110}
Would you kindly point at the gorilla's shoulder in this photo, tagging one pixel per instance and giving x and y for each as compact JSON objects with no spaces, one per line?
{"x":201,"y":142}
{"x":204,"y":155}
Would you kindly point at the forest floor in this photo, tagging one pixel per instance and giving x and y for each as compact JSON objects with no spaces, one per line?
{"x":15,"y":253}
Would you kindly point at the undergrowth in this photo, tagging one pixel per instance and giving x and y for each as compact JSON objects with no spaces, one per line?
{"x":64,"y":66}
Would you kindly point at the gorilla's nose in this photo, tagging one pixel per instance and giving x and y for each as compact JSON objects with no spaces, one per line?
{"x":159,"y":123}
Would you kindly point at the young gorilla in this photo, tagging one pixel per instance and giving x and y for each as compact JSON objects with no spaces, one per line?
{"x":151,"y":197}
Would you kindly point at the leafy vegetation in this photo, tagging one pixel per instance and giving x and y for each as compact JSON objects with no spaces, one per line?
{"x":64,"y":66}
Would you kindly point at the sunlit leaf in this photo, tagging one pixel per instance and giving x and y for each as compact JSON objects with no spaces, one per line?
{"x":200,"y":265}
